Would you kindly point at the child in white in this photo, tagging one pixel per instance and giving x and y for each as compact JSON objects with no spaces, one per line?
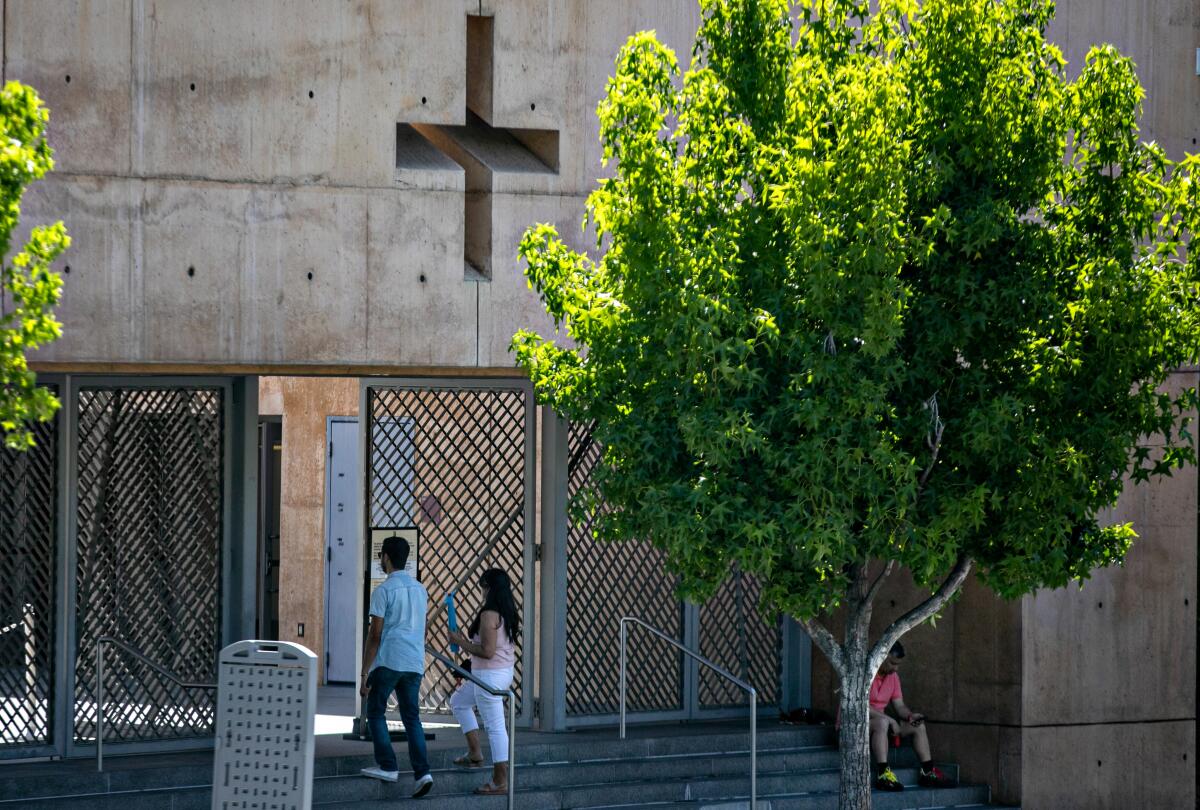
{"x":491,"y":643}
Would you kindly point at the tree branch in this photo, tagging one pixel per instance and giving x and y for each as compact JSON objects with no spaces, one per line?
{"x":825,"y":642}
{"x":934,"y":443}
{"x":921,"y":612}
{"x":858,"y":620}
{"x":874,"y":589}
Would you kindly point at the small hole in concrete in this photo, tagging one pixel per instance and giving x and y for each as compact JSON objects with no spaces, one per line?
{"x":1185,"y":603}
{"x":191,"y":271}
{"x":1099,"y":763}
{"x":69,"y":81}
{"x":533,"y":106}
{"x":310,"y":94}
{"x":423,"y":100}
{"x":192,"y":86}
{"x":1185,"y":757}
{"x":310,"y":275}
{"x":67,"y":269}
{"x":1099,"y":604}
{"x":422,"y":278}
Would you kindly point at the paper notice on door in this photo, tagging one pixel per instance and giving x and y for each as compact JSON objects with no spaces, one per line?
{"x":378,"y":535}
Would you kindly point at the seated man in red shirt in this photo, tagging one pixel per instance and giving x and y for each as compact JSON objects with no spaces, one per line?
{"x":885,"y":691}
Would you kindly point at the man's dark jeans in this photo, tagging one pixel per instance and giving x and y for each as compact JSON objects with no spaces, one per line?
{"x":407,"y":686}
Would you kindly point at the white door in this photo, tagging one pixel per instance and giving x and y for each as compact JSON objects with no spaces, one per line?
{"x":341,"y":551}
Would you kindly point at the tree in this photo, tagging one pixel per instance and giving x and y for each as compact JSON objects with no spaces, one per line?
{"x":26,"y":280}
{"x":874,"y":290}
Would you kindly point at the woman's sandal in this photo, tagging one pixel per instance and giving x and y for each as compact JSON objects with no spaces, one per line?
{"x":491,"y":789}
{"x":465,"y":761}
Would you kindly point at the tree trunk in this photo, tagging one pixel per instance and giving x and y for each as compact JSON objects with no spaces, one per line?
{"x":854,"y":736}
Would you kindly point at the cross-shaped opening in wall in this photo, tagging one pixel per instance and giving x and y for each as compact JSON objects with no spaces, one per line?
{"x":483,"y":150}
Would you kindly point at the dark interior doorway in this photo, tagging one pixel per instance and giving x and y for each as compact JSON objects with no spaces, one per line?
{"x":270,"y":459}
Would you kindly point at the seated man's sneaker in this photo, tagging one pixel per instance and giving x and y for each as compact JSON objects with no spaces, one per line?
{"x":934,"y":778}
{"x":888,"y":781}
{"x":380,"y":773}
{"x":422,"y":786}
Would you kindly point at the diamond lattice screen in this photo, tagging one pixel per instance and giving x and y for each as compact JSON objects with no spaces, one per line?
{"x":734,"y":635}
{"x":150,"y":514}
{"x":605,"y":582}
{"x":452,"y":463}
{"x":28,"y":496}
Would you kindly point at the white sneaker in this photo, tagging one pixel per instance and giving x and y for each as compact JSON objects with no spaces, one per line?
{"x":380,"y":773}
{"x":422,"y":786}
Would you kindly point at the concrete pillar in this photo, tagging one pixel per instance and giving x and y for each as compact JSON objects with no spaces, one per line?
{"x":552,"y":598}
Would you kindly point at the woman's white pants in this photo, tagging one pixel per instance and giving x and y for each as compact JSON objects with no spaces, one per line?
{"x":468,"y":697}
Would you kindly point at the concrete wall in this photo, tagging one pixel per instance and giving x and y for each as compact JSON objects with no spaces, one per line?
{"x":304,"y":403}
{"x":229,"y":172}
{"x":1110,"y":669}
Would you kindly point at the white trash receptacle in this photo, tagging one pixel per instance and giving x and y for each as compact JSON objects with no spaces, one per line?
{"x":266,"y":698}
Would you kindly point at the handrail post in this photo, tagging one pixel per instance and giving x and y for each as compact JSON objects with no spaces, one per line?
{"x":753,"y":750}
{"x":100,"y":706}
{"x":622,"y":681}
{"x":512,"y":748}
{"x":508,"y":694}
{"x":723,"y":673}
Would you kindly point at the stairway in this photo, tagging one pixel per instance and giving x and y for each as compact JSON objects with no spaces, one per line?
{"x":668,"y":767}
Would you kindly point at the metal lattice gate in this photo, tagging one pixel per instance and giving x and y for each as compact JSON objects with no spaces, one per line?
{"x":28,"y":585}
{"x":456,"y":464}
{"x":734,"y":634}
{"x":150,"y":523}
{"x":606,"y":582}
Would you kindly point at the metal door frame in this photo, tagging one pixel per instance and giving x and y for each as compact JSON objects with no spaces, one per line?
{"x":529,"y":601}
{"x":69,"y":504}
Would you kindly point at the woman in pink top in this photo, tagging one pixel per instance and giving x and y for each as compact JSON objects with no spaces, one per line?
{"x":491,"y":643}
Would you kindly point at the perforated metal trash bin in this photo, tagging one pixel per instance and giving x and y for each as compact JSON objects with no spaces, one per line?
{"x":267,"y":694}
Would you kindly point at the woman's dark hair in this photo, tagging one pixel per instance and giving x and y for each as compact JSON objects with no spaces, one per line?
{"x":500,"y":599}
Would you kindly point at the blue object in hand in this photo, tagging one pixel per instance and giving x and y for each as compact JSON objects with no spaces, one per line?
{"x":453,"y":619}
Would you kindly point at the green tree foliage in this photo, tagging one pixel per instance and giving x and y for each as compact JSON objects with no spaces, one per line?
{"x":28,"y":288}
{"x":873,"y":290}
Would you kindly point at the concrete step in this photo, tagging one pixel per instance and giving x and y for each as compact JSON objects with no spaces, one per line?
{"x":555,"y":787}
{"x":596,"y":772}
{"x":663,"y":767}
{"x":651,"y":795}
{"x":156,"y":772}
{"x":945,"y":799}
{"x":349,"y":785}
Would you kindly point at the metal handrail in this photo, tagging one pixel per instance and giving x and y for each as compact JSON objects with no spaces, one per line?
{"x":509,"y":695}
{"x":140,"y":656}
{"x":722,"y":672}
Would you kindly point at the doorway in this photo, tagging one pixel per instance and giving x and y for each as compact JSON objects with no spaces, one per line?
{"x":270,"y":460}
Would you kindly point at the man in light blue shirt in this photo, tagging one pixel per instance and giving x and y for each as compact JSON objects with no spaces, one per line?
{"x":394,"y":660}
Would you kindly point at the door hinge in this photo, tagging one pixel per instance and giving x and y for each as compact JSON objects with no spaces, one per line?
{"x":331,"y":449}
{"x":537,"y":708}
{"x":328,"y":554}
{"x":537,"y":552}
{"x":326,"y":665}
